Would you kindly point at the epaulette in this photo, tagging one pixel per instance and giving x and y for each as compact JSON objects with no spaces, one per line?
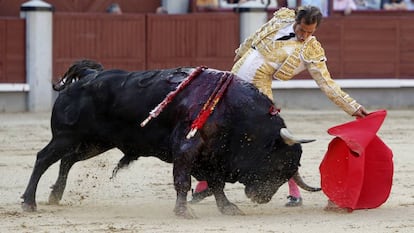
{"x":281,"y":18}
{"x":312,"y":51}
{"x":284,"y":13}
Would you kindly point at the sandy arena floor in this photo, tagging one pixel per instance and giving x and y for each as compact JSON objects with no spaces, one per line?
{"x":142,"y":197}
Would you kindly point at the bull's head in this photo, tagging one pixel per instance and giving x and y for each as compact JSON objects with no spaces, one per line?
{"x":281,"y":164}
{"x":262,"y":192}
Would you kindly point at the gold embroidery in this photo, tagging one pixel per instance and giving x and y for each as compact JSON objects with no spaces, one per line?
{"x":275,"y":52}
{"x":282,"y":18}
{"x":332,"y":90}
{"x":263,"y":80}
{"x":286,"y":70}
{"x":313,"y":52}
{"x":265,"y":36}
{"x":284,"y":13}
{"x":236,"y":67}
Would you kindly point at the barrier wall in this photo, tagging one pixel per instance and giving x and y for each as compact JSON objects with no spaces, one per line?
{"x":357,"y":46}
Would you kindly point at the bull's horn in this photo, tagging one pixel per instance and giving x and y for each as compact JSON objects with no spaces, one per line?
{"x":299,"y":181}
{"x":290,"y":139}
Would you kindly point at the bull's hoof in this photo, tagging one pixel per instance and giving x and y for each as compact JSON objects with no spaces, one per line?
{"x":183,"y":212}
{"x":53,"y":199}
{"x":231,"y":209}
{"x":29,"y":207}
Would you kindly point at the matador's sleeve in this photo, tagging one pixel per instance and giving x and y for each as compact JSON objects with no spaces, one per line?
{"x":314,"y":57}
{"x":244,"y":46}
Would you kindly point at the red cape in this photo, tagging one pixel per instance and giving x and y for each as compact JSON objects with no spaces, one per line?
{"x":357,"y":170}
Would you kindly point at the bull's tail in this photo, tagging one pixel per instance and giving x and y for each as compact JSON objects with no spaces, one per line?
{"x":299,"y":181}
{"x":78,"y":70}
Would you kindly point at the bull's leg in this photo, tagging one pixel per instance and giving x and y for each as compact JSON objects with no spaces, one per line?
{"x":88,"y":151}
{"x":223,"y":204}
{"x":184,"y":153}
{"x":182,"y":185}
{"x":45,"y":158}
{"x":58,"y":188}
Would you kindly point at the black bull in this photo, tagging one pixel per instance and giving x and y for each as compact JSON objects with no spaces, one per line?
{"x":98,"y":110}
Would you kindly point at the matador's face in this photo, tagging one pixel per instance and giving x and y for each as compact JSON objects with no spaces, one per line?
{"x":303,"y":31}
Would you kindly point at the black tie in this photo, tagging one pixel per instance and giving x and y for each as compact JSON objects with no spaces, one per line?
{"x":287,"y":37}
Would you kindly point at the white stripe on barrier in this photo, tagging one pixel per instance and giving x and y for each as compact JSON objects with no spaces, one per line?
{"x":292,"y":84}
{"x":14,"y":87}
{"x":346,"y":83}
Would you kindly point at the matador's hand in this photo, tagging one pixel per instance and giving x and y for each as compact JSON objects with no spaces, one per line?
{"x":361,"y":112}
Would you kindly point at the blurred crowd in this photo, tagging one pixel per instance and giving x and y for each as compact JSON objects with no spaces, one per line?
{"x":347,"y":6}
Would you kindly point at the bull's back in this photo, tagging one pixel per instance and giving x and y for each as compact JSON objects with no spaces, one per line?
{"x":109,"y":105}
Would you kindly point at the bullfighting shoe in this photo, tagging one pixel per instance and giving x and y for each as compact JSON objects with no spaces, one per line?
{"x":294,"y":201}
{"x":332,"y":207}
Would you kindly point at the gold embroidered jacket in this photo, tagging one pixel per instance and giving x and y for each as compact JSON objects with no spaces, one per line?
{"x":264,"y":58}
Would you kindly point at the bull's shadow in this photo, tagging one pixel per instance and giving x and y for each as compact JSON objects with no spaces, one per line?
{"x":208,"y":123}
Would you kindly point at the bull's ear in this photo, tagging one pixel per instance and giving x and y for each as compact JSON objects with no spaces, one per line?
{"x":290,"y":139}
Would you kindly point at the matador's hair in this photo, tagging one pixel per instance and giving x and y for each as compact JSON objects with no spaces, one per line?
{"x":310,"y":15}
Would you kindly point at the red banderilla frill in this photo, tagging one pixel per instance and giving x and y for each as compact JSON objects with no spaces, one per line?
{"x":211,"y":103}
{"x":160,"y":107}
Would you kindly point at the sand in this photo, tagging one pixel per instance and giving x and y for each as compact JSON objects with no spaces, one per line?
{"x":142,"y":197}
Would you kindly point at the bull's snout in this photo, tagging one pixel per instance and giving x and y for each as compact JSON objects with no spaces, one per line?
{"x":256,"y":196}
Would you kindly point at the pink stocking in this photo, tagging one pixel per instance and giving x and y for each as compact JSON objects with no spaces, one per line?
{"x":293,"y":189}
